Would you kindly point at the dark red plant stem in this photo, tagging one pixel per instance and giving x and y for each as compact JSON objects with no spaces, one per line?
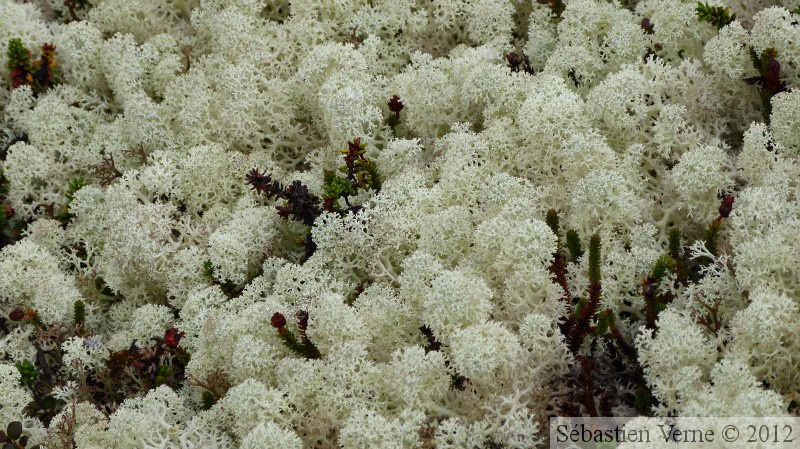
{"x":587,"y":368}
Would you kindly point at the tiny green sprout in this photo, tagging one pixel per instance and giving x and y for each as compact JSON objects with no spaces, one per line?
{"x":359,"y":172}
{"x":28,"y":373}
{"x":337,"y":187}
{"x":719,"y":16}
{"x":164,"y":374}
{"x":40,"y":74}
{"x":17,"y":55}
{"x":19,"y":63}
{"x":73,"y":186}
{"x":574,"y":245}
{"x":663,"y":265}
{"x":228,"y":287}
{"x":303,"y":346}
{"x":208,"y":270}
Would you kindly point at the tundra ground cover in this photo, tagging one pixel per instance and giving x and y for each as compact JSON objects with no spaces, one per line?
{"x":393,"y":223}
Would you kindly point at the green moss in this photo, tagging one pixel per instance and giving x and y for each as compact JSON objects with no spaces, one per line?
{"x":28,"y":373}
{"x":663,"y":265}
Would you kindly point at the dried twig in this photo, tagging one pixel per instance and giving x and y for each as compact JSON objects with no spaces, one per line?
{"x":187,"y":62}
{"x":137,"y":151}
{"x":106,"y":170}
{"x":217,"y":383}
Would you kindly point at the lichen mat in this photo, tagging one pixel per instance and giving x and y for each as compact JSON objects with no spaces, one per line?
{"x":393,"y":223}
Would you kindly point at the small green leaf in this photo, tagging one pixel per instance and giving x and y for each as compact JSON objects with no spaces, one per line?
{"x":552,"y":220}
{"x":73,"y":186}
{"x":208,"y":400}
{"x":604,"y":321}
{"x":208,"y":269}
{"x":14,"y":430}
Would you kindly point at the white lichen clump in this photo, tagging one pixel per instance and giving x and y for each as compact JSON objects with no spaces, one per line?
{"x":158,"y":292}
